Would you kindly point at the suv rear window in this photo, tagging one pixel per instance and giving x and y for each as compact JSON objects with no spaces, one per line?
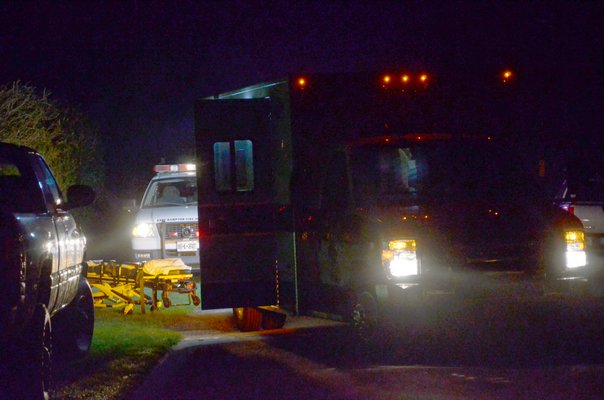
{"x":16,"y":191}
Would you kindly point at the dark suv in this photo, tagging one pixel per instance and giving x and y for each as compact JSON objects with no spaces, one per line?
{"x":42,"y":273}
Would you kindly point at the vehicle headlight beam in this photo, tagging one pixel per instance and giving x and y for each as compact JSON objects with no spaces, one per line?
{"x":143,"y":230}
{"x":575,"y":249}
{"x":399,"y":257}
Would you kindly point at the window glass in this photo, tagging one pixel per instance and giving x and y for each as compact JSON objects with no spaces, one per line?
{"x":241,"y":162}
{"x":8,"y":168}
{"x":244,"y":165}
{"x":18,"y":192}
{"x":49,"y":183}
{"x":12,"y":190}
{"x":586,"y":188}
{"x":391,"y":174}
{"x":222,"y":166}
{"x":171,"y":192}
{"x":586,"y":181}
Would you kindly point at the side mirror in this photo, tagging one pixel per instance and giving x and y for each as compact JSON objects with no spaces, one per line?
{"x":79,"y":196}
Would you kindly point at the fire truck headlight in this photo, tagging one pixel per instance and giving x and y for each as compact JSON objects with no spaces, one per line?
{"x":575,"y":249}
{"x":400,"y":258}
{"x":143,"y":230}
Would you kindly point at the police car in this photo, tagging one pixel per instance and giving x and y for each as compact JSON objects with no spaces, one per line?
{"x":166,"y":221}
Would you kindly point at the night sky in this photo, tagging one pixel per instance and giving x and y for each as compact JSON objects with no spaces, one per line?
{"x":137,"y":67}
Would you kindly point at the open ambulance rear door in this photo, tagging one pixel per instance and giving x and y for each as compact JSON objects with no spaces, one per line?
{"x":246,"y":244}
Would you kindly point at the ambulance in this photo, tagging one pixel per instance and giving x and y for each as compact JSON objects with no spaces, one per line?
{"x":346,"y":195}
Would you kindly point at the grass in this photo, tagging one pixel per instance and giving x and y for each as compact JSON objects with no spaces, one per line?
{"x":124,"y":349}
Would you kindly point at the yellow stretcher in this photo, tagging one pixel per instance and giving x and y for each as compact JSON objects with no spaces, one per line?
{"x":123,"y":285}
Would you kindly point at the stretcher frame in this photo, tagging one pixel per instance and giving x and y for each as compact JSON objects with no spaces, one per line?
{"x":119,"y":285}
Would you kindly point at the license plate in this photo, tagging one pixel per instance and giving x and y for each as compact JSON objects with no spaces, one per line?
{"x":187,"y":246}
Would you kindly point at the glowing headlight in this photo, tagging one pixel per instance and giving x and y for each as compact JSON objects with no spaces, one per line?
{"x":575,"y":249}
{"x":400,"y":258}
{"x":143,"y":230}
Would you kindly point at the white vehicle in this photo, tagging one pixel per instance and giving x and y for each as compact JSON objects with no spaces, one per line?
{"x":166,"y":222}
{"x":582,"y":194}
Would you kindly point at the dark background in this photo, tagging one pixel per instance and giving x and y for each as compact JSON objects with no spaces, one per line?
{"x":137,"y":67}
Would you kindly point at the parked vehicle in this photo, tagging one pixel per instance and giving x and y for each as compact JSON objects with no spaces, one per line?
{"x":581,"y":193}
{"x":347,"y":195}
{"x":43,"y":273}
{"x":166,"y":222}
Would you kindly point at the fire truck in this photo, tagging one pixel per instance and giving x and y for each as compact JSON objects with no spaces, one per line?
{"x":344,"y":194}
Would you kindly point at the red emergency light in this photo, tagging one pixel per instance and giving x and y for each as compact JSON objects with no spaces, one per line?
{"x":173,"y":168}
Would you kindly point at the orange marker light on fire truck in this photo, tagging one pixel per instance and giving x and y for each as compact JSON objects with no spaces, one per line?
{"x":302,"y":83}
{"x":507,"y":75}
{"x":405,"y":78}
{"x":385,"y":81}
{"x":423,"y":78}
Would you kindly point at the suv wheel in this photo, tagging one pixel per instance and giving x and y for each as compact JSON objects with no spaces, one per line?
{"x":74,"y":326}
{"x":35,"y":367}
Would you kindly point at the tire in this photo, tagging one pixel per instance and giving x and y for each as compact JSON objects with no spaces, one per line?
{"x":34,"y":369}
{"x":247,"y":318}
{"x":553,"y":286}
{"x":596,"y":287}
{"x":272,"y":318}
{"x":74,"y":325}
{"x":364,"y":317}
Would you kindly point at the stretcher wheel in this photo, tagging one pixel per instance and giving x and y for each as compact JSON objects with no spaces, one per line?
{"x":166,"y":300}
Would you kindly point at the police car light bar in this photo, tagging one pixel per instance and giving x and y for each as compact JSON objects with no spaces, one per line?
{"x":173,"y":168}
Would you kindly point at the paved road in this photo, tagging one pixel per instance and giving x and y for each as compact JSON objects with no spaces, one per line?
{"x":547,"y":349}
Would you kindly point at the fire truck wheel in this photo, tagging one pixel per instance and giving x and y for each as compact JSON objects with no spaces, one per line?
{"x":74,"y":325}
{"x":364,"y":317}
{"x":247,"y":318}
{"x":34,"y":371}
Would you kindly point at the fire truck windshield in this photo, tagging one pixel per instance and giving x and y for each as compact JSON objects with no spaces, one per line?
{"x":390,"y":174}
